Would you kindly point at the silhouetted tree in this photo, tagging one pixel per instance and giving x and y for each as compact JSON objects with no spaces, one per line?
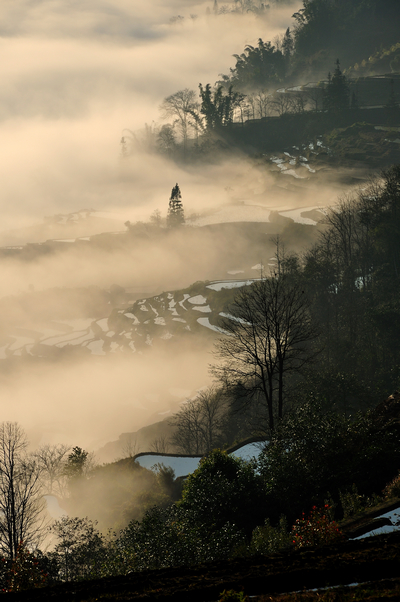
{"x":51,"y":460}
{"x":287,"y":45}
{"x":180,"y":106}
{"x":175,"y":216}
{"x":166,"y":139}
{"x":337,"y":92}
{"x":21,"y":503}
{"x":200,"y":422}
{"x":218,"y":105}
{"x":270,"y":334}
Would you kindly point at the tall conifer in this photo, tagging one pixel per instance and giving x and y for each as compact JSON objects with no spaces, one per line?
{"x":175,"y":216}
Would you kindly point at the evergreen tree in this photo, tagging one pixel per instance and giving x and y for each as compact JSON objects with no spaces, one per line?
{"x":287,"y":44}
{"x":337,"y":92}
{"x":175,"y":216}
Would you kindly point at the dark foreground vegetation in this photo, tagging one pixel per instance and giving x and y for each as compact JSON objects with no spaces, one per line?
{"x":374,"y":562}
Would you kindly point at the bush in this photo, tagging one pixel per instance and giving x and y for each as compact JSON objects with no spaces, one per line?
{"x":315,"y":530}
{"x":232,"y":596}
{"x":353,"y":503}
{"x":26,"y":571}
{"x":313,"y":453}
{"x":224,"y":490}
{"x":168,"y":537}
{"x":268,"y":539}
{"x":392,"y":489}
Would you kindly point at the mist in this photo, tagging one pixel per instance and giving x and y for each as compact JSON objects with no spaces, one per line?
{"x":76,"y":75}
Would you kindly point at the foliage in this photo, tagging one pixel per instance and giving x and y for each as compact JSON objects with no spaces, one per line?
{"x":356,"y":28}
{"x":315,"y":452}
{"x":353,"y":502}
{"x":120,"y":492}
{"x":168,"y":537}
{"x":392,"y":489}
{"x":260,"y":66}
{"x":80,"y":550}
{"x":233,"y":596}
{"x":221,"y":491}
{"x":218,"y":106}
{"x":337,"y":93}
{"x":351,"y":276}
{"x":27,"y":570}
{"x":316,"y":529}
{"x":75,"y":465}
{"x":267,"y":539}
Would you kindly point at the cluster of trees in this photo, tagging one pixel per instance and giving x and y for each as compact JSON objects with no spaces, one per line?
{"x":240,"y":7}
{"x":25,"y":478}
{"x":197,"y":124}
{"x":321,"y":28}
{"x":263,"y":66}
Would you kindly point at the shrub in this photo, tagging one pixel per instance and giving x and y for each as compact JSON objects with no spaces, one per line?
{"x":352,"y":502}
{"x":315,"y":530}
{"x":268,"y":539}
{"x":26,"y":571}
{"x":221,"y":491}
{"x":232,"y":596}
{"x":312,"y":453}
{"x":169,"y":537}
{"x":392,"y":489}
{"x":81,"y":549}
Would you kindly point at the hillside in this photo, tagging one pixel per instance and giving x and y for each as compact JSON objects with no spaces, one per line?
{"x":372,"y":562}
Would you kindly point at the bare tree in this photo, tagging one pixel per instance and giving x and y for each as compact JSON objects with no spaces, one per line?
{"x":51,"y":460}
{"x":199,"y":424}
{"x":180,"y":105}
{"x":270,"y":334}
{"x":281,"y":103}
{"x":21,"y":504}
{"x":166,"y":139}
{"x":299,"y":101}
{"x":262,"y":99}
{"x":160,"y":445}
{"x":251,"y":106}
{"x":314,"y":95}
{"x":130,"y":447}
